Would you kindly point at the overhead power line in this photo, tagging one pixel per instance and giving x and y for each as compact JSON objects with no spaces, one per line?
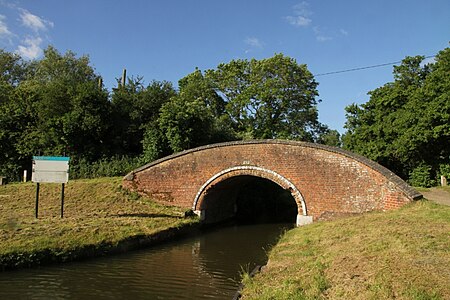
{"x":364,"y":68}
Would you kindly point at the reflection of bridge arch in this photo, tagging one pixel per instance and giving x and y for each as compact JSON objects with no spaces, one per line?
{"x":332,"y":181}
{"x":302,"y":217}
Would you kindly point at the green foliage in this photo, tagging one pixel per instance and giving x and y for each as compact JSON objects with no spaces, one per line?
{"x":186,"y":123}
{"x":268,"y":98}
{"x":154,"y":143}
{"x":406,"y":123}
{"x":135,"y":107}
{"x":421,"y":176}
{"x":58,"y":106}
{"x":13,"y":69}
{"x":105,"y":167}
{"x":52,"y":106}
{"x":330,"y":138}
{"x":444,"y":170}
{"x":195,"y":116}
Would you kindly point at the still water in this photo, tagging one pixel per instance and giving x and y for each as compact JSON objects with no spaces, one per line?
{"x":206,"y":266}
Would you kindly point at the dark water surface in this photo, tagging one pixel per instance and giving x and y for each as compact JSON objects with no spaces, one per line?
{"x":201,"y":267}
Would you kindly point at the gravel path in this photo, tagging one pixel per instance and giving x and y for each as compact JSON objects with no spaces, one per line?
{"x":438,"y":195}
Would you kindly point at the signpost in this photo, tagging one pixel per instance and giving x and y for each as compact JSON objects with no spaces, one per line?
{"x":50,"y":169}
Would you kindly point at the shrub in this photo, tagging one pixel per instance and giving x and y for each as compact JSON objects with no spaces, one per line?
{"x":444,"y":170}
{"x":105,"y":167}
{"x":421,"y":176}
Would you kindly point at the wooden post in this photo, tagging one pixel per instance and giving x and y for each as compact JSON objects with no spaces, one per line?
{"x":443,"y":181}
{"x":37,"y":200}
{"x":62,"y":200}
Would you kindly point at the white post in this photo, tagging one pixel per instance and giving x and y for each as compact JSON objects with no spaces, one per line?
{"x":200,"y":213}
{"x":304,"y":220}
{"x":443,"y":181}
{"x":24,"y":175}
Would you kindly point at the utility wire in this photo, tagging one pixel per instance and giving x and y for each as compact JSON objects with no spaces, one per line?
{"x":364,"y":68}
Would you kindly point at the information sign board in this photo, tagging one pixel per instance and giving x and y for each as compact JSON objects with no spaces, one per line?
{"x":50,"y":169}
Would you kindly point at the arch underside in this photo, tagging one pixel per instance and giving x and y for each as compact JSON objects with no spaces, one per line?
{"x":239,"y":171}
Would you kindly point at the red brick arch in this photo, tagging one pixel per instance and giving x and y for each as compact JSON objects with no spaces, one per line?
{"x":324,"y":181}
{"x":251,"y":171}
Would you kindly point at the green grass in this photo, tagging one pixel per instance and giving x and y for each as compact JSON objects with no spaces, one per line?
{"x":402,"y":254}
{"x":98,"y":214}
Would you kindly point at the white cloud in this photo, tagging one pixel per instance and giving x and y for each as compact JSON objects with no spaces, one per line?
{"x":301,"y":15}
{"x":4,"y":31}
{"x":253,"y":42}
{"x":34,"y":22}
{"x":323,"y":38}
{"x":298,"y":21}
{"x":32,"y":48}
{"x":302,"y":9}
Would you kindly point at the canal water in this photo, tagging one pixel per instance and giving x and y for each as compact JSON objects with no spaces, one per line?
{"x":206,"y":266}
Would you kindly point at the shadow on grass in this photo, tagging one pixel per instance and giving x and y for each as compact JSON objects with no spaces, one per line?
{"x":145,"y":215}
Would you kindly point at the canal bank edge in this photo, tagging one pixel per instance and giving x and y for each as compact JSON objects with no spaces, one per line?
{"x":19,"y":260}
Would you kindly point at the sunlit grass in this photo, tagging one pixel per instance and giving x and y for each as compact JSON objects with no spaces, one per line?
{"x":97,"y":212}
{"x":402,"y":254}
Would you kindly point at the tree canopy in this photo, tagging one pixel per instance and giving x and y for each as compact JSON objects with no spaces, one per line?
{"x":269,"y":98}
{"x":405,"y":125}
{"x":57,"y":105}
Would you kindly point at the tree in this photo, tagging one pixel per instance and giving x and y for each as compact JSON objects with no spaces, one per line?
{"x":330,"y":137}
{"x":73,"y":112}
{"x":51,"y":106}
{"x":405,"y":125}
{"x":13,"y":69}
{"x":136,"y":107}
{"x":195,"y":116}
{"x":269,"y":98}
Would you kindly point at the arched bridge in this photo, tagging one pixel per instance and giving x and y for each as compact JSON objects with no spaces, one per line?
{"x":323,"y":181}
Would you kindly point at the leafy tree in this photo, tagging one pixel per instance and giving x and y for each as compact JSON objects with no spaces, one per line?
{"x":330,"y":137}
{"x":269,"y":98}
{"x":406,"y":123}
{"x":154,"y":143}
{"x":195,"y":116}
{"x":135,"y":107}
{"x":73,"y":112}
{"x":15,"y":115}
{"x":13,"y":69}
{"x":52,"y":106}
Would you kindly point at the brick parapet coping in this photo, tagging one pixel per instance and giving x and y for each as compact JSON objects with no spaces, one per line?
{"x":402,"y":185}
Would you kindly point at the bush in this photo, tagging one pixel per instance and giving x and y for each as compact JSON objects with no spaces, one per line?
{"x":106,"y":167}
{"x":421,"y":177}
{"x":444,"y":170}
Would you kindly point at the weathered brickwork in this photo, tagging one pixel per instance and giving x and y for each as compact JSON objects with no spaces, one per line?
{"x":329,"y":180}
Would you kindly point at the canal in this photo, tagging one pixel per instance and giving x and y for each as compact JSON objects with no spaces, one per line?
{"x":205,"y":266}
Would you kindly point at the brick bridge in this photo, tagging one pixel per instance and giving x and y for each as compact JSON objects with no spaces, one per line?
{"x":324,"y":181}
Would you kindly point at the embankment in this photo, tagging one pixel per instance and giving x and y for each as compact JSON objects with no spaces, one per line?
{"x":401,"y":254}
{"x":99,"y":218}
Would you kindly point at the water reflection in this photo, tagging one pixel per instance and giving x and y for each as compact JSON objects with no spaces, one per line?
{"x":201,"y":267}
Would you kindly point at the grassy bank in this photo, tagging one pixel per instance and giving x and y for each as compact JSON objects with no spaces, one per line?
{"x":402,"y":254}
{"x":99,"y":217}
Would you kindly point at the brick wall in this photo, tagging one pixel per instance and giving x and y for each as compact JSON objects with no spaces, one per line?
{"x":330,"y":180}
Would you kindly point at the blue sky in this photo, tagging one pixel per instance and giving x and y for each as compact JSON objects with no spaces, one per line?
{"x":168,"y":39}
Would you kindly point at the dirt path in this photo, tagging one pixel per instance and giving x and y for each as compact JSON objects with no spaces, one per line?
{"x":438,"y":195}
